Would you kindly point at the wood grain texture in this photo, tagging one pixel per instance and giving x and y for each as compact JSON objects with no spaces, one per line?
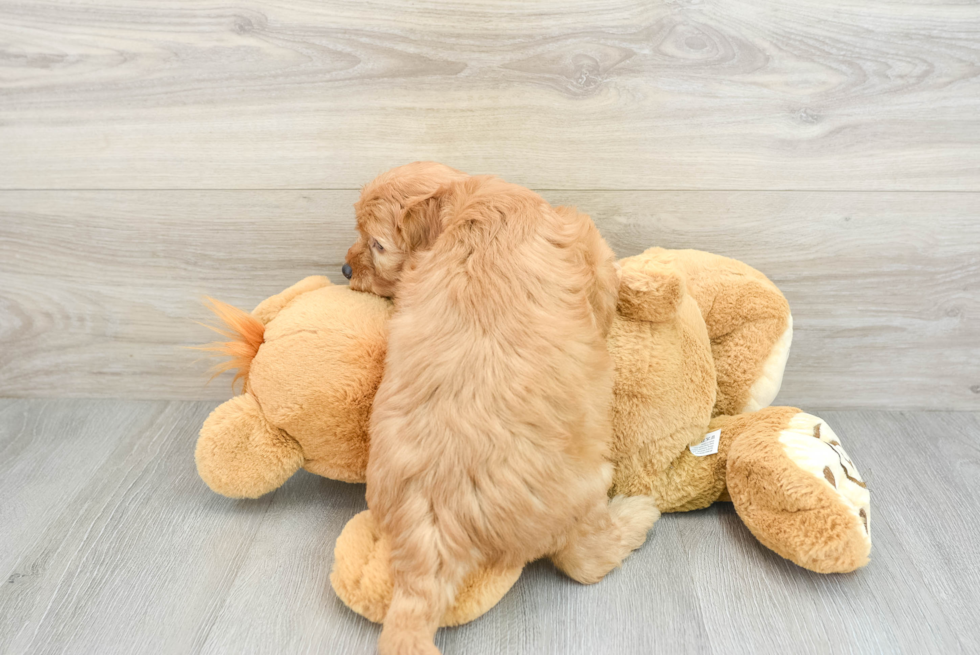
{"x":101,"y":289}
{"x":749,"y":94}
{"x":112,"y":545}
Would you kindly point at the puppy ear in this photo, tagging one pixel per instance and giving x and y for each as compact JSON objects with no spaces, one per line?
{"x":421,"y":224}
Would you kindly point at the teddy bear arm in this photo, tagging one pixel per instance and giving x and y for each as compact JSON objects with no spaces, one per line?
{"x":271,"y":306}
{"x":751,"y":330}
{"x":748,"y":321}
{"x":750,"y":360}
{"x":240,"y":455}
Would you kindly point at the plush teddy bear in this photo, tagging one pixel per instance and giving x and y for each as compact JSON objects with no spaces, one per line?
{"x":699,"y":344}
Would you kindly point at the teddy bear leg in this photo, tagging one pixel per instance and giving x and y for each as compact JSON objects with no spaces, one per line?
{"x":361,"y":576}
{"x":798,"y":492}
{"x":240,"y":455}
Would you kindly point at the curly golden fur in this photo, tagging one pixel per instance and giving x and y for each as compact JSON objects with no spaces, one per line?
{"x":490,"y":430}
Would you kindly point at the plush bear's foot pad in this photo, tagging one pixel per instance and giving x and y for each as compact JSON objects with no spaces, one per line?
{"x":361,"y":576}
{"x":799,"y":493}
{"x":810,"y":442}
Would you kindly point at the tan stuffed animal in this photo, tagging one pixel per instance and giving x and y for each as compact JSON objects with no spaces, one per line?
{"x":699,"y":344}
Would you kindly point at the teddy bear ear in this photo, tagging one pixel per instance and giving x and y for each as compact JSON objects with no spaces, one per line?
{"x":649,"y":290}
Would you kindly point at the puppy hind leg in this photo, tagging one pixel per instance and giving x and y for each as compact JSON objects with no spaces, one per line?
{"x":600,"y":542}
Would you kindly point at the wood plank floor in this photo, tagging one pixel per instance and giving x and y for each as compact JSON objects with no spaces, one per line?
{"x":111,"y":544}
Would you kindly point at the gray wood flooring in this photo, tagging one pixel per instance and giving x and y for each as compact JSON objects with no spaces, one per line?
{"x":111,"y":544}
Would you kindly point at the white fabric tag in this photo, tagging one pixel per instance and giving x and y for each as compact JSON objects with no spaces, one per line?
{"x":708,"y":446}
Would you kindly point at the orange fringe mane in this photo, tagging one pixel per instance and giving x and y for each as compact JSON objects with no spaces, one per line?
{"x":245,"y":334}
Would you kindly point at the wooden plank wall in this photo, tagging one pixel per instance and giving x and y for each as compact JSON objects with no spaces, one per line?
{"x":155,"y":151}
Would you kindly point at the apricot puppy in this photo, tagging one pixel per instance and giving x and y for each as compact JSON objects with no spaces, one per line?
{"x":491,"y":427}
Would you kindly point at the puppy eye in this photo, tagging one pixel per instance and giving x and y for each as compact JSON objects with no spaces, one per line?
{"x":377,"y":246}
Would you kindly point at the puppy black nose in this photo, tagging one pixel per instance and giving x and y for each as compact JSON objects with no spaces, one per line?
{"x":347,"y":271}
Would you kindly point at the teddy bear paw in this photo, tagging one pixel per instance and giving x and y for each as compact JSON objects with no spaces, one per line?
{"x":814,"y":447}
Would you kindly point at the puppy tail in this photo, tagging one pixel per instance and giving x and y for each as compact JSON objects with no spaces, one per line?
{"x":245,"y":334}
{"x":422,"y":594}
{"x":414,"y":615}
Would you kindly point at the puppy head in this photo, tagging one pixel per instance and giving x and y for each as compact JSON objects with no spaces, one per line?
{"x":397,"y":215}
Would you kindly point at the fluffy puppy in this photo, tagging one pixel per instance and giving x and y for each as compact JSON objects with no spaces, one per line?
{"x":491,"y":427}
